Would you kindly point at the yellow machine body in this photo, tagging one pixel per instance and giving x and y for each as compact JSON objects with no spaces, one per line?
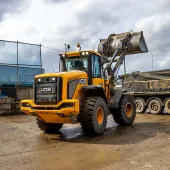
{"x":55,"y":113}
{"x":83,"y":91}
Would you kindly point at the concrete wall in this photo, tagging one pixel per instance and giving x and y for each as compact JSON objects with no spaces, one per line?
{"x":8,"y":104}
{"x":25,"y":93}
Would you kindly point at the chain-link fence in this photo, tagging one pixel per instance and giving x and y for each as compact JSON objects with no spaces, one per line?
{"x":50,"y":59}
{"x":19,"y":62}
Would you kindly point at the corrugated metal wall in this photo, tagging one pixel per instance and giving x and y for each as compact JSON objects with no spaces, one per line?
{"x":8,"y":74}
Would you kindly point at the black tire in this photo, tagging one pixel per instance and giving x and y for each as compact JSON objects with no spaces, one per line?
{"x":140,"y":105}
{"x":49,"y":127}
{"x":126,"y":113}
{"x":155,"y":106}
{"x":162,"y":109}
{"x":167,"y":106}
{"x":90,"y":120}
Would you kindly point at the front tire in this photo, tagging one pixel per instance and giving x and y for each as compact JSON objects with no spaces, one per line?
{"x":93,"y":116}
{"x":49,"y":127}
{"x":126,"y":113}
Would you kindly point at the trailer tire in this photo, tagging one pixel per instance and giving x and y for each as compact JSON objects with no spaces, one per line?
{"x":49,"y":127}
{"x":93,"y":116}
{"x":155,"y":106}
{"x":140,"y":105}
{"x":126,"y":113}
{"x":167,"y":106}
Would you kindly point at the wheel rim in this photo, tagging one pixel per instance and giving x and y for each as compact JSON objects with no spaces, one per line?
{"x":100,"y":115}
{"x":138,"y":106}
{"x":169,"y":105}
{"x":128,"y":109}
{"x":154,"y":106}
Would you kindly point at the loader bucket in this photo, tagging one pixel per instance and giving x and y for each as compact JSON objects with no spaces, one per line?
{"x":135,"y":45}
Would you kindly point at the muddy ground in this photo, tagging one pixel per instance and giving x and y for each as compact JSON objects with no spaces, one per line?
{"x":144,"y":145}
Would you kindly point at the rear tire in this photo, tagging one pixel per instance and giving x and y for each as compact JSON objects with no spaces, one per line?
{"x":93,"y":116}
{"x":155,"y":106}
{"x":49,"y":127}
{"x":140,"y":105}
{"x":167,"y":106}
{"x":126,"y":113}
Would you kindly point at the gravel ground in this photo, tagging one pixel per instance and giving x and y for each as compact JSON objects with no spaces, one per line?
{"x":144,"y":145}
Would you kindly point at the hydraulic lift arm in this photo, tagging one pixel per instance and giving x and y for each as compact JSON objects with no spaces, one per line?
{"x":120,"y":45}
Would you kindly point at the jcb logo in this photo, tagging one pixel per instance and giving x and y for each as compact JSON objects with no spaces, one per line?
{"x":81,"y":81}
{"x":46,"y":89}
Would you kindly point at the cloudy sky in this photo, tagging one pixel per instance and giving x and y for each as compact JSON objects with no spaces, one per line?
{"x":56,"y":22}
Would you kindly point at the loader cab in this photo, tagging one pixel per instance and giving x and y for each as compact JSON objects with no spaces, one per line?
{"x":87,"y":61}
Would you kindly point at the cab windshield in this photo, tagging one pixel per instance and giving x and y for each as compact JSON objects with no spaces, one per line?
{"x":77,"y":63}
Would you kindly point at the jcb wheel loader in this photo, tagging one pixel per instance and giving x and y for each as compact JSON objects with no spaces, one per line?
{"x":84,"y":91}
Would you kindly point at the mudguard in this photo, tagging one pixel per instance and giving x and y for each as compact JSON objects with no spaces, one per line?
{"x":115,"y":99}
{"x":93,"y":90}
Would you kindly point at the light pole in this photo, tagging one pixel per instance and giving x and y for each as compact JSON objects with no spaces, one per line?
{"x":152,"y":61}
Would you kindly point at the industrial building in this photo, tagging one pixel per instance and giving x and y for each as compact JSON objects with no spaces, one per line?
{"x":8,"y":75}
{"x":20,"y":62}
{"x":12,"y":90}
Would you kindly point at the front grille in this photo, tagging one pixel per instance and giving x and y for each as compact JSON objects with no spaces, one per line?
{"x":48,"y":91}
{"x":64,"y":105}
{"x":44,"y":108}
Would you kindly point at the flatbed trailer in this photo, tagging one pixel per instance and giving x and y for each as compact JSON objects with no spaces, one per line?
{"x":150,"y":91}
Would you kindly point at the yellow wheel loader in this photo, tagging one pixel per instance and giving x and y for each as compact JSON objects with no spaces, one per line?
{"x":83,"y":91}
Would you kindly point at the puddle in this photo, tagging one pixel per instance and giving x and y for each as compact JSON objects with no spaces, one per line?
{"x":73,"y":132}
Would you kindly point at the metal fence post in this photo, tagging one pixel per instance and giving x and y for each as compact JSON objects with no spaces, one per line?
{"x":17,"y":75}
{"x":41,"y":59}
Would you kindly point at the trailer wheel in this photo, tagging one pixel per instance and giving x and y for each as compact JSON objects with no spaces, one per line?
{"x":126,"y":113}
{"x":167,"y":106}
{"x":49,"y":127}
{"x":155,"y":106}
{"x":93,"y":116}
{"x":140,"y":105}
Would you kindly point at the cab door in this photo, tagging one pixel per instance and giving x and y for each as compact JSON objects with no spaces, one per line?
{"x":97,"y":75}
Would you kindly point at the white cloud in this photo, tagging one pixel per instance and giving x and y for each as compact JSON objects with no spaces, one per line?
{"x":165,"y":63}
{"x":155,"y":29}
{"x":54,"y":23}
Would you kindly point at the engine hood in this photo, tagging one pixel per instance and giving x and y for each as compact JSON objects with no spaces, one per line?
{"x":68,"y":74}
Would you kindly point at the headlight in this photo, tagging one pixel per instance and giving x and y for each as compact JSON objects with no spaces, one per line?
{"x":53,"y":79}
{"x":63,"y":55}
{"x":83,"y":53}
{"x":26,"y":105}
{"x":39,"y":80}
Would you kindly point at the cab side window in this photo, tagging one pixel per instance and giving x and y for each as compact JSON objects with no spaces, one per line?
{"x":96,"y":71}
